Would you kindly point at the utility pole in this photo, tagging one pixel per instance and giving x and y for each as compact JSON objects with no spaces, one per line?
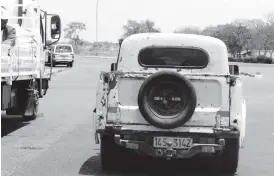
{"x":97,"y":20}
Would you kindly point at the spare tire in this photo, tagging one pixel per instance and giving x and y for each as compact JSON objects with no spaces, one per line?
{"x":167,"y":100}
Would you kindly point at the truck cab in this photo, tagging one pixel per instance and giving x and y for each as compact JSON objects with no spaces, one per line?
{"x":23,"y":74}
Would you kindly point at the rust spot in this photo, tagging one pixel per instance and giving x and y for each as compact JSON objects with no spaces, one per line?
{"x":103,"y":101}
{"x":112,"y":84}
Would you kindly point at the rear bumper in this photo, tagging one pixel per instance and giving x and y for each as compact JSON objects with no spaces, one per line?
{"x":203,"y":143}
{"x":63,"y":60}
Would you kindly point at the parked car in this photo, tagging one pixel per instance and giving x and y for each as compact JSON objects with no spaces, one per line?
{"x":170,"y":96}
{"x":61,"y":54}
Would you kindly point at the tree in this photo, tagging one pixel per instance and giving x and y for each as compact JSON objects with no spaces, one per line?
{"x":211,"y":31}
{"x":73,"y":31}
{"x":243,"y":35}
{"x":189,"y":30}
{"x":235,"y":35}
{"x":134,"y":27}
{"x":256,"y":27}
{"x":268,"y":32}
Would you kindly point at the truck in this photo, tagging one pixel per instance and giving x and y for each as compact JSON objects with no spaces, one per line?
{"x":23,"y":74}
{"x":170,"y":96}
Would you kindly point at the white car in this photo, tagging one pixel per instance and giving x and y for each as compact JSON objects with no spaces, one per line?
{"x":61,"y":54}
{"x":170,"y":96}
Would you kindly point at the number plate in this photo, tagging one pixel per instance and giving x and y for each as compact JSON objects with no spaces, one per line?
{"x":177,"y":143}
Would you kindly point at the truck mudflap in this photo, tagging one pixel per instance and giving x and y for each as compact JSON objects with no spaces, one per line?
{"x":203,"y":144}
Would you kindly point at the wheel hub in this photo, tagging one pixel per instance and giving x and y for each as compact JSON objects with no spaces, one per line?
{"x":166,"y":100}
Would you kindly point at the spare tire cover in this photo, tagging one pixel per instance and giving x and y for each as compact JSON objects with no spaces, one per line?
{"x":167,"y":99}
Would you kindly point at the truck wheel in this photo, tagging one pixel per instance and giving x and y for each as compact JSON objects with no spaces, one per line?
{"x":13,"y":111}
{"x":230,"y":156}
{"x":112,"y":155}
{"x":71,"y":65}
{"x":31,"y":105}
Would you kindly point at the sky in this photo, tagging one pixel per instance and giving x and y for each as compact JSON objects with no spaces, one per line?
{"x":168,"y":15}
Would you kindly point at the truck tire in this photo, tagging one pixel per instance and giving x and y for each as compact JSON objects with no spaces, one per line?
{"x":230,"y":156}
{"x":71,"y":64}
{"x":172,"y":105}
{"x":31,"y":103}
{"x":111,"y":154}
{"x":13,"y":111}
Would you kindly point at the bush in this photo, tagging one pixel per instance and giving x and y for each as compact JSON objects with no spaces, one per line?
{"x":264,"y":59}
{"x":239,"y":60}
{"x":231,"y":59}
{"x":250,"y":60}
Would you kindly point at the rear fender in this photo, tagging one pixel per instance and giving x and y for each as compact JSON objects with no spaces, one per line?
{"x":100,"y":112}
{"x":238,"y":109}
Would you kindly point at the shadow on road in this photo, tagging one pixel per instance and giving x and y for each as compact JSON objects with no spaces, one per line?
{"x":9,"y":125}
{"x":57,"y":66}
{"x":152,"y":167}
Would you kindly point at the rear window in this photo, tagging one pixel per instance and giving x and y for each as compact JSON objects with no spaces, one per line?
{"x":173,"y":57}
{"x":63,"y":49}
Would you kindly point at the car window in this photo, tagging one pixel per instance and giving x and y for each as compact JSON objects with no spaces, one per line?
{"x":173,"y":57}
{"x":62,"y":49}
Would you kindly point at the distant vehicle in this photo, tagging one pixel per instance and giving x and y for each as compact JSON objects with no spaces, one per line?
{"x":170,"y":96}
{"x":61,"y":54}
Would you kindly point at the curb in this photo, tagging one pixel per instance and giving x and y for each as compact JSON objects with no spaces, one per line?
{"x":99,"y":57}
{"x":256,"y":75}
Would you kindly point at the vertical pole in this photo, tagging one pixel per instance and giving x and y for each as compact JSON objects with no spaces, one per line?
{"x":97,"y":20}
{"x":97,"y":3}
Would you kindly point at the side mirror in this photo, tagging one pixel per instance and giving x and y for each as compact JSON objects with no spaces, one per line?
{"x":234,"y":70}
{"x":113,"y":67}
{"x":53,"y":29}
{"x":55,"y":24}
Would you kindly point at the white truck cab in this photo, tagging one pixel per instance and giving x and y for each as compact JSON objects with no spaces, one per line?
{"x":170,"y":96}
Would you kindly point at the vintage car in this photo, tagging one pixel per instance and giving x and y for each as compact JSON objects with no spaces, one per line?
{"x":170,"y":96}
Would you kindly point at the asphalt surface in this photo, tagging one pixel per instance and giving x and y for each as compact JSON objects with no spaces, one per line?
{"x":60,"y":141}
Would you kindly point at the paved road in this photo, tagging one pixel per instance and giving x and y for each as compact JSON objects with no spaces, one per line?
{"x":60,"y":141}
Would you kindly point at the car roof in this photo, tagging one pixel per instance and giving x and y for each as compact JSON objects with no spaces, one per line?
{"x":63,"y":45}
{"x":215,"y":48}
{"x":198,"y":41}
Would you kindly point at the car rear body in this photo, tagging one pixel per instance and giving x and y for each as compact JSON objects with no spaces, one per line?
{"x":61,"y":54}
{"x":220,"y":108}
